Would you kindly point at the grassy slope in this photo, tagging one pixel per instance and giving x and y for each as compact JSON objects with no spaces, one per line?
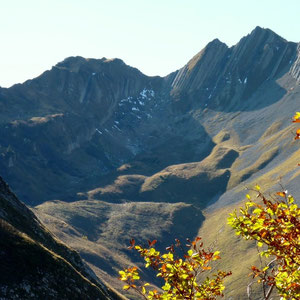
{"x":35,"y":272}
{"x":34,"y":264}
{"x":263,"y":141}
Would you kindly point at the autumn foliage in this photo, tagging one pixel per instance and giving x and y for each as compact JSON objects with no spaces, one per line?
{"x":180,"y":275}
{"x":296,"y":119}
{"x":275,"y":224}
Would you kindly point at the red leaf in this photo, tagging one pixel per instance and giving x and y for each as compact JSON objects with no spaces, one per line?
{"x":132,"y":243}
{"x":151,"y":244}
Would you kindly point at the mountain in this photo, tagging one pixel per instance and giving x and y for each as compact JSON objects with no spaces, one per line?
{"x":35,"y":264}
{"x":105,"y":153}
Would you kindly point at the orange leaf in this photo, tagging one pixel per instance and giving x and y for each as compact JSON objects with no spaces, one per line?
{"x":281,"y":194}
{"x":264,"y":234}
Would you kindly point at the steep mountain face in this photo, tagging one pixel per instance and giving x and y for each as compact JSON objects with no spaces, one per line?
{"x":295,"y":69}
{"x":152,"y":157}
{"x":34,"y":264}
{"x":79,"y":121}
{"x":224,"y":78}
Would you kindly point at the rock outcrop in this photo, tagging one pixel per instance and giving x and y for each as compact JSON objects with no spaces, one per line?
{"x":223,"y":78}
{"x":295,"y":69}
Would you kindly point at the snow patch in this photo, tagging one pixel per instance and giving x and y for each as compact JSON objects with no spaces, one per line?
{"x":135,"y":109}
{"x":146,"y":94}
{"x":115,"y":126}
{"x":245,"y":81}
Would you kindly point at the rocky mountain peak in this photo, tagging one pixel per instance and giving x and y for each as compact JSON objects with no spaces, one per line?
{"x":258,"y":31}
{"x":91,"y":65}
{"x":199,"y":70}
{"x":218,"y":75}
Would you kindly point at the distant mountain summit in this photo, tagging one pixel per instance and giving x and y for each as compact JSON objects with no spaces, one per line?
{"x":224,"y":77}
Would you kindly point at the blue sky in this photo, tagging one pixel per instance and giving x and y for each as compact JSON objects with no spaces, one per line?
{"x":156,"y":36}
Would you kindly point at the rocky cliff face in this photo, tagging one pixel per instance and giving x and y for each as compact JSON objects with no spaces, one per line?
{"x":224,"y":78}
{"x":295,"y":69}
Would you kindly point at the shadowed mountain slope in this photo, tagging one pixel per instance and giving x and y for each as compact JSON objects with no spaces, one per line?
{"x":36,"y":265}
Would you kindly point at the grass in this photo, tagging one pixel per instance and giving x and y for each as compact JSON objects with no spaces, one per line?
{"x":26,"y":263}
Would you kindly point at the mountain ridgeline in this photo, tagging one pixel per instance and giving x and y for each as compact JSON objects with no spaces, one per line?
{"x":86,"y":118}
{"x":106,"y":153}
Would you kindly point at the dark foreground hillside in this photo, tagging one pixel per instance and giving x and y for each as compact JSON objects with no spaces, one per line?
{"x":34,"y":265}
